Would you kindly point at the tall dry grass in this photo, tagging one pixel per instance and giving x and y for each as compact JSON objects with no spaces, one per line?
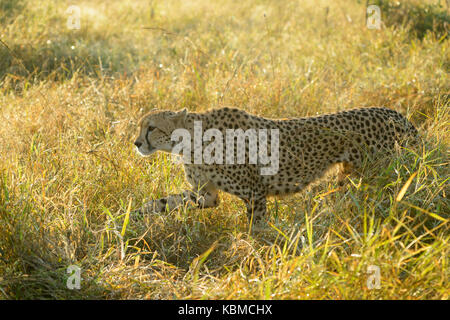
{"x":70,"y":100}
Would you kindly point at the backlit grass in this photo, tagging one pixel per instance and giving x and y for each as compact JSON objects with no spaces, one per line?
{"x":70,"y":101}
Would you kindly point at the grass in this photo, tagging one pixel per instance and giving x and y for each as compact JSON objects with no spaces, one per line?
{"x":70,"y":100}
{"x":419,"y":17}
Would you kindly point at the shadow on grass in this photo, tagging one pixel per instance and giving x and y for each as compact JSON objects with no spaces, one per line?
{"x":9,"y":9}
{"x":34,"y":259}
{"x":61,"y":58}
{"x":419,"y":18}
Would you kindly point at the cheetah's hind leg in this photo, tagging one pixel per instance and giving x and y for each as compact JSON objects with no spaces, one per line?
{"x":345,"y":169}
{"x":256,"y":212}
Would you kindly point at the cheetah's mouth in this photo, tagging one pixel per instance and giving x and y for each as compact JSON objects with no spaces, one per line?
{"x":146,"y":150}
{"x":146,"y":153}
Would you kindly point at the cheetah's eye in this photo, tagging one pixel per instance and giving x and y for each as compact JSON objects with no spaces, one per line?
{"x":151,"y":128}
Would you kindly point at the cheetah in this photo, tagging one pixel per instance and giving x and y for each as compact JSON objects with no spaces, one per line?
{"x":307,"y":148}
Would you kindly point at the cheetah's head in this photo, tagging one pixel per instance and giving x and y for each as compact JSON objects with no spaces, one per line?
{"x":156,"y":130}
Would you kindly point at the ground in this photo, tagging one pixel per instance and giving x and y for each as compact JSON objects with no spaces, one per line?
{"x":69,"y":175}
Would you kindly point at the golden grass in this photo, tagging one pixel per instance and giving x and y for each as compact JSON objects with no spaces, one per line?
{"x":68,"y":170}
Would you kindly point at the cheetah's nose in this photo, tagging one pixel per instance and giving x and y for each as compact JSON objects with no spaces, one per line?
{"x":137,"y":144}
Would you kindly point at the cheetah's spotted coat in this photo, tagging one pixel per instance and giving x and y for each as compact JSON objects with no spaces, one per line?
{"x":307,"y":148}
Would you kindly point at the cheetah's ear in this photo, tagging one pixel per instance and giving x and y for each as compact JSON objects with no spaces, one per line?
{"x":179,"y":118}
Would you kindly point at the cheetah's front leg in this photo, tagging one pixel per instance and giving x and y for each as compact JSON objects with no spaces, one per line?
{"x":170,"y":202}
{"x":202,"y":199}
